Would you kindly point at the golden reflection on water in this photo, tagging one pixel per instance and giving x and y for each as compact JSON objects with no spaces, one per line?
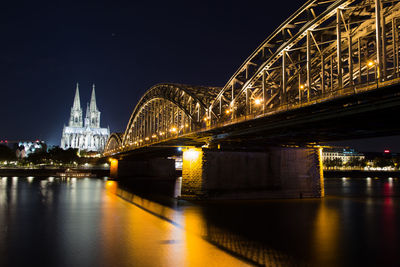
{"x":154,"y":234}
{"x":326,"y":233}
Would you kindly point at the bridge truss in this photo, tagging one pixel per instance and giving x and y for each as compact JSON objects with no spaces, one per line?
{"x":326,"y":49}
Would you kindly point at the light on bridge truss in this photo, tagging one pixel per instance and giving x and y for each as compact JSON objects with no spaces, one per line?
{"x":258,"y":101}
{"x":173,"y":130}
{"x":154,"y":136}
{"x":370,"y":63}
{"x":147,"y":139}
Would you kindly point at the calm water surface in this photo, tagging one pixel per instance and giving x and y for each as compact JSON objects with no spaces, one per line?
{"x":90,"y":222}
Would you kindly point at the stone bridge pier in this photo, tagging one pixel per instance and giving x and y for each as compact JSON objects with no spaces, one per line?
{"x":274,"y":173}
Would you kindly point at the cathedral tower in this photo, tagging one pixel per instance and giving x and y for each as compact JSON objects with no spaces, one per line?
{"x":94,"y":112}
{"x":75,"y":119}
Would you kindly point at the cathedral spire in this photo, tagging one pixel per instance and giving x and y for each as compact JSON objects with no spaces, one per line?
{"x":93,"y":106}
{"x":77,"y":101}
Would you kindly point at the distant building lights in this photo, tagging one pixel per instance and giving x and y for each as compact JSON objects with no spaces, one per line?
{"x":386,"y":151}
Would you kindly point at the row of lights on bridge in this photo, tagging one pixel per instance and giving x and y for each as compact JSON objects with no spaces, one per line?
{"x":259,"y":101}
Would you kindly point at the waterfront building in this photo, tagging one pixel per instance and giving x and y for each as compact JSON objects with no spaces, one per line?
{"x":23,"y":148}
{"x":84,"y":134}
{"x":343,"y":154}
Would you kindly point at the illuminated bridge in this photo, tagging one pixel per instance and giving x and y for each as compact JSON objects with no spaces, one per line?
{"x":329,"y":72}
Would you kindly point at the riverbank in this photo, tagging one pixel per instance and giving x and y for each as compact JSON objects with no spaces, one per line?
{"x":360,"y":174}
{"x":25,"y":172}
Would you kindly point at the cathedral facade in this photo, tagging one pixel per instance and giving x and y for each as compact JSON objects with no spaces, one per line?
{"x":84,"y":134}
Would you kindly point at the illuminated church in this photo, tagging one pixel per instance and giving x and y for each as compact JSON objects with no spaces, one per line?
{"x":84,"y":134}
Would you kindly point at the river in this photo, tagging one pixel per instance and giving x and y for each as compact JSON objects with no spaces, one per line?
{"x":95,"y":222}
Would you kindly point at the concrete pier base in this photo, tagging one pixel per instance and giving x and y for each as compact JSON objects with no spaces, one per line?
{"x":275,"y":173}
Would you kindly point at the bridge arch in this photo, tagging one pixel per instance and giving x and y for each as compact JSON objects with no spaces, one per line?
{"x":167,"y":110}
{"x":114,"y":142}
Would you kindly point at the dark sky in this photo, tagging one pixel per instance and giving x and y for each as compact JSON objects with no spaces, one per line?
{"x":124,"y":47}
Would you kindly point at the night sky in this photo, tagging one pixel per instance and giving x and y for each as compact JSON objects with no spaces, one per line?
{"x":124,"y":48}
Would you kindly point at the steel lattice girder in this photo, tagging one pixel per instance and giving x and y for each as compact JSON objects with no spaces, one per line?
{"x":318,"y":22}
{"x":319,"y":52}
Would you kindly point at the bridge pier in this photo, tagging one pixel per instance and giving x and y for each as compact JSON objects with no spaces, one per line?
{"x":142,"y":168}
{"x":278,"y":172}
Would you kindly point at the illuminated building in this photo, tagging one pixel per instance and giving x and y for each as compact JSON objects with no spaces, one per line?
{"x":84,"y":134}
{"x":343,"y":154}
{"x":23,"y":148}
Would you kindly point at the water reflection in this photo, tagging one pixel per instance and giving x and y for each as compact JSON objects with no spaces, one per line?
{"x":88,"y":222}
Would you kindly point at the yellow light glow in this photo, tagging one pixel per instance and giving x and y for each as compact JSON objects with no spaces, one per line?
{"x":257,"y":101}
{"x":370,"y":63}
{"x":301,"y":86}
{"x":227,"y":111}
{"x":113,"y":167}
{"x":111,"y":186}
{"x":205,"y":118}
{"x":140,"y":140}
{"x":154,"y":136}
{"x":191,"y":154}
{"x":173,"y":130}
{"x":147,"y":139}
{"x":186,"y":125}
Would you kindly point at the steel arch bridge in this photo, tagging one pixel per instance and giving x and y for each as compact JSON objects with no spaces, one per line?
{"x":325,"y":50}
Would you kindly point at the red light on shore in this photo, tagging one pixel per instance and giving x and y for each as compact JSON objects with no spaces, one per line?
{"x":386,"y":151}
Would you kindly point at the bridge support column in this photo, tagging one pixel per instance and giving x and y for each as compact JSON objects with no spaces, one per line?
{"x":143,"y":168}
{"x":274,"y":173}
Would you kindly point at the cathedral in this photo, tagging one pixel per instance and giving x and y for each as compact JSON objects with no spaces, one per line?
{"x":84,"y":134}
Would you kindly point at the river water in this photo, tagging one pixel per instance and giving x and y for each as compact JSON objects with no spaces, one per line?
{"x":94,"y":222}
